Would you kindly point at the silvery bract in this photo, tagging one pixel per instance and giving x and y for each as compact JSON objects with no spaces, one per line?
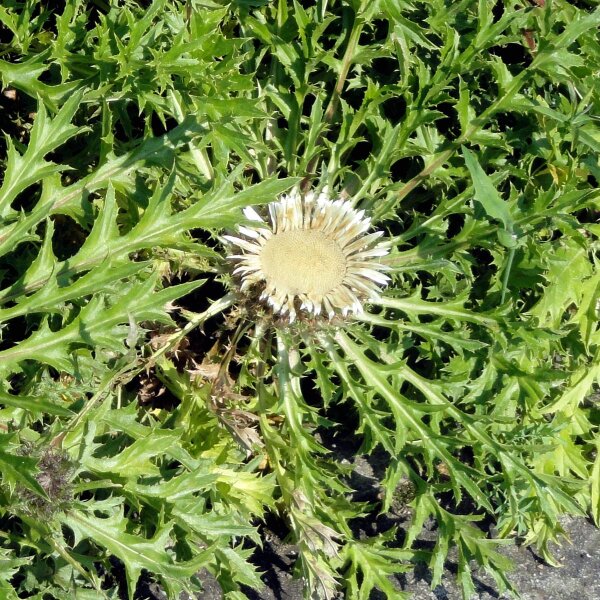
{"x":314,"y":257}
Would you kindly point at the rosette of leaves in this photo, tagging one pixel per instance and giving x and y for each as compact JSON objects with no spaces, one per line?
{"x":470,"y":141}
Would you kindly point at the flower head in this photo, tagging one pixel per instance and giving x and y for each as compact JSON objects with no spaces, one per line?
{"x":314,"y":256}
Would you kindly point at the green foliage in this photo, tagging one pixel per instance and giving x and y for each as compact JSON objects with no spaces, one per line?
{"x":152,"y":417}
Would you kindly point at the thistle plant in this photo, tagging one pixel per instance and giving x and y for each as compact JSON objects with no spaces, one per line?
{"x":246,"y":247}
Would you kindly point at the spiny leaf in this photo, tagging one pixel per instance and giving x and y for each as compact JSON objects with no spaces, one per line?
{"x":136,"y":552}
{"x":211,"y":525}
{"x":52,"y":296}
{"x":25,"y":76}
{"x":68,"y":200}
{"x":99,"y":324}
{"x":569,"y":267}
{"x":485,"y":192}
{"x":34,"y":405}
{"x":135,"y":460}
{"x":452,"y":310}
{"x":31,"y":167}
{"x":371,"y":567}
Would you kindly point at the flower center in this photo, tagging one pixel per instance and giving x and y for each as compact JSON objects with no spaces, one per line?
{"x":303,"y":261}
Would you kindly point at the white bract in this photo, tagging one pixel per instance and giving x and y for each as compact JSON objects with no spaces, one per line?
{"x":314,"y":257}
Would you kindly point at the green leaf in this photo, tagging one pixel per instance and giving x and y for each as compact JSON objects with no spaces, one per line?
{"x":371,"y":567}
{"x":212,"y":210}
{"x":51,"y":297}
{"x":19,"y":470}
{"x":136,"y":552}
{"x":25,"y":76}
{"x":101,"y":323}
{"x":136,"y":459}
{"x":47,"y":134}
{"x":569,"y":268}
{"x":9,"y":566}
{"x":212,"y":525}
{"x":485,"y":192}
{"x":181,"y":486}
{"x":34,"y":405}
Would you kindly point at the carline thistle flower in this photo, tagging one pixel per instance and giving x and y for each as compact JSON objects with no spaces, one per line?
{"x":313,"y":258}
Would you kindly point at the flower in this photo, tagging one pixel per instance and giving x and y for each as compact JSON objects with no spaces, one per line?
{"x":313,"y":258}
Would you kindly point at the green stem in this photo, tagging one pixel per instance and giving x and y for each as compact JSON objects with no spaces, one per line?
{"x":506,"y":274}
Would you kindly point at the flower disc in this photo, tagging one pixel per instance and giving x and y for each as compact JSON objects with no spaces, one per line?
{"x":304,"y":261}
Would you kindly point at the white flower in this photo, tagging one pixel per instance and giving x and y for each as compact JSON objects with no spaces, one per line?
{"x":314,"y":257}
